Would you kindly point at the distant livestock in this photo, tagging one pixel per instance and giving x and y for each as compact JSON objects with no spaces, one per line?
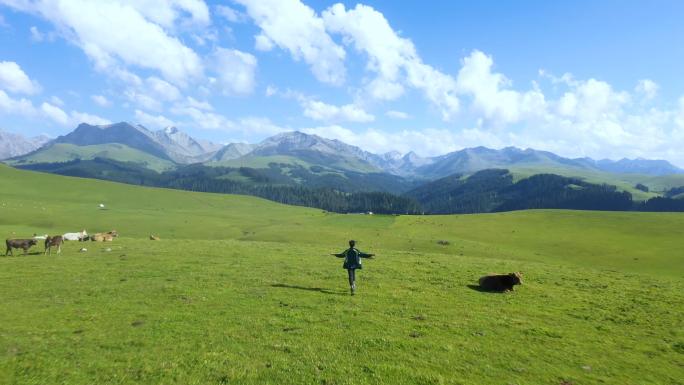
{"x":80,"y":236}
{"x":24,"y":244}
{"x":500,"y":282}
{"x":104,"y":237}
{"x":40,"y":237}
{"x":55,"y":241}
{"x":154,"y":238}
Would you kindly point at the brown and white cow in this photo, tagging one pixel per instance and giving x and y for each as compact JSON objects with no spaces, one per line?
{"x":24,"y":244}
{"x":51,"y":241}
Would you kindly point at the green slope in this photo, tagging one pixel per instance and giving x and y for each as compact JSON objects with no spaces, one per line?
{"x":624,"y":182}
{"x":64,"y":152}
{"x":333,"y":163}
{"x":242,"y":290}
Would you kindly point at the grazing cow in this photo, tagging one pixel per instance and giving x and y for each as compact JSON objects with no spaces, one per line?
{"x":40,"y":237}
{"x":24,"y":244}
{"x":80,"y":236}
{"x":57,"y":240}
{"x":500,"y":282}
{"x":154,"y":238}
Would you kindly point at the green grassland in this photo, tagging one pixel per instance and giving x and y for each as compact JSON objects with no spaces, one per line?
{"x":242,"y":291}
{"x":624,"y":182}
{"x":64,"y":152}
{"x":336,"y":163}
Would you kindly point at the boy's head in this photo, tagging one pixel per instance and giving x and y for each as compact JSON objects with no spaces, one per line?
{"x":352,"y":243}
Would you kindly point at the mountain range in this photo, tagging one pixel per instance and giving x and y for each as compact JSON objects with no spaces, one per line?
{"x":12,"y":145}
{"x":306,"y":159}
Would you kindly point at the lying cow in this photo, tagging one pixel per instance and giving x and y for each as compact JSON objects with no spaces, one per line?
{"x":57,"y":240}
{"x":80,"y":236}
{"x":102,"y":237}
{"x":500,"y":282}
{"x":24,"y":244}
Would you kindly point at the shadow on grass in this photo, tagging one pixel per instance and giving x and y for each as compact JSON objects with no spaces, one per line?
{"x":481,"y":290}
{"x":316,"y":289}
{"x":21,"y":254}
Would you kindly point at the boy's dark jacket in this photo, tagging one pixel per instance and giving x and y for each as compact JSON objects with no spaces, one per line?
{"x":352,"y":258}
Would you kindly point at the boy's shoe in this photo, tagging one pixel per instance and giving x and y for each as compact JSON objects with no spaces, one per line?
{"x":353,"y":289}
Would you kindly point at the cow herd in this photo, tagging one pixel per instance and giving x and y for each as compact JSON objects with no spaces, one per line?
{"x":51,"y":241}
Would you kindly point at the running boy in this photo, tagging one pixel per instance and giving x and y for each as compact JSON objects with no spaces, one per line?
{"x":352,"y":261}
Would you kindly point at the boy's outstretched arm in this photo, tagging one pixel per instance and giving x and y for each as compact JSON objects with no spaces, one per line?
{"x":364,"y":255}
{"x":340,"y":255}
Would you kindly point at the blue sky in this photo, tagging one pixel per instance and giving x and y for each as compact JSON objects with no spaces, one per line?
{"x":580,"y":78}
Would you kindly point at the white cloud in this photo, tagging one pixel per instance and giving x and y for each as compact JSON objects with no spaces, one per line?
{"x":391,"y":57}
{"x":83,"y":117}
{"x":295,"y":27}
{"x":14,"y":79}
{"x":36,"y":35}
{"x":169,"y":13}
{"x":56,"y":101}
{"x":202,"y":118}
{"x":648,"y":88}
{"x":318,"y":110}
{"x":235,"y":71}
{"x":55,"y":113}
{"x":112,"y":32}
{"x":101,"y":100}
{"x":230,"y":14}
{"x":152,"y":93}
{"x":491,"y":93}
{"x":153,"y":121}
{"x":72,"y":119}
{"x":397,"y":114}
{"x":11,"y":106}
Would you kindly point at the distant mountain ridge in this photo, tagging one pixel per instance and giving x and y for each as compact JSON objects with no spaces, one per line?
{"x":171,"y":144}
{"x":12,"y":145}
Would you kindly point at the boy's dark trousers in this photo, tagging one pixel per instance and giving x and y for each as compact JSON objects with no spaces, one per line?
{"x":352,"y":277}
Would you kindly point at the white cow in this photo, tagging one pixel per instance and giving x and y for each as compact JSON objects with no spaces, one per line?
{"x":40,"y":237}
{"x":75,"y":236}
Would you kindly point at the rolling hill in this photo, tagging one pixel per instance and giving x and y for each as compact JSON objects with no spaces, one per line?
{"x":66,"y":152}
{"x":310,"y":161}
{"x":242,"y":290}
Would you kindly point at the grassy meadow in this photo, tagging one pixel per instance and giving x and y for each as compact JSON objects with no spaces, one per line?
{"x":240,"y":290}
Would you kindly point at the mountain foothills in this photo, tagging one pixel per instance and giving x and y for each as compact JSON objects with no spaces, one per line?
{"x":304,"y":169}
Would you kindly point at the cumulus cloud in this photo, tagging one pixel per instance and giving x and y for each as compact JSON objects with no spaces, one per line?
{"x":101,"y":100}
{"x":126,"y":32}
{"x":84,"y":117}
{"x":153,"y":121}
{"x":295,"y":27}
{"x":169,"y":13}
{"x":397,"y":114}
{"x":55,"y":113}
{"x":392,"y":58}
{"x":151,"y":93}
{"x":15,"y":80}
{"x":231,"y":14}
{"x":647,"y":88}
{"x":491,"y":94}
{"x":12,"y":106}
{"x":318,"y":110}
{"x":235,"y":71}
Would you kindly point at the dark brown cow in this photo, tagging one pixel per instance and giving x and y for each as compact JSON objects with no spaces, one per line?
{"x":56,"y":240}
{"x":500,"y":282}
{"x":24,"y":244}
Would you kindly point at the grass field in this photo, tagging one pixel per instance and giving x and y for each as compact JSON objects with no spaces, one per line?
{"x":242,"y":291}
{"x":64,"y":152}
